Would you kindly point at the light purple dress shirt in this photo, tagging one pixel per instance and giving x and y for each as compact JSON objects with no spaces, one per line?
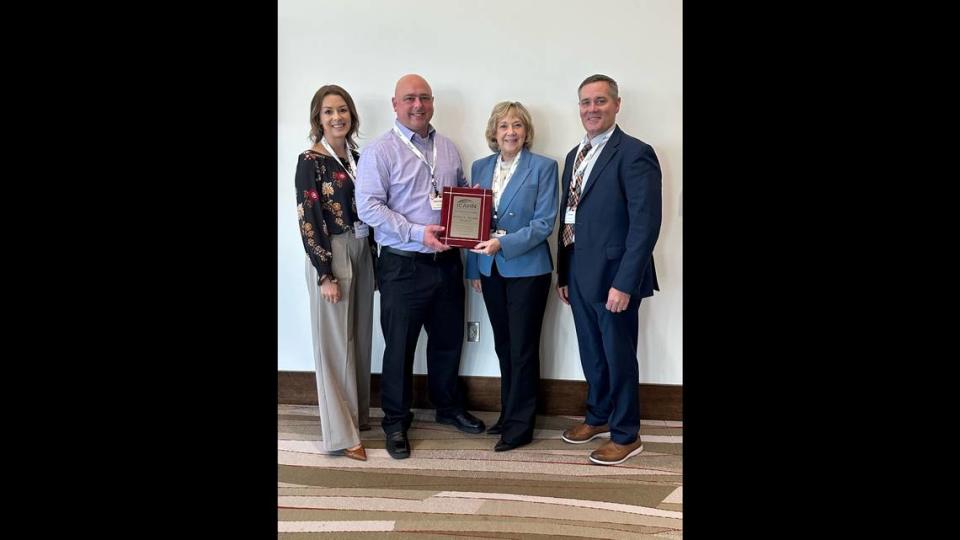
{"x":393,"y":186}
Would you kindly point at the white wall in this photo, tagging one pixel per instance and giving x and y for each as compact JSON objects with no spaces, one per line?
{"x":474,"y":54}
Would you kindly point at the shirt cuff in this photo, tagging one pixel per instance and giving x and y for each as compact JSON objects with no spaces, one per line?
{"x":416,"y":233}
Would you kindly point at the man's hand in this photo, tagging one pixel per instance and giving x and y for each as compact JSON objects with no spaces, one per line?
{"x":490,"y":247}
{"x":562,"y":293}
{"x":617,"y":301}
{"x":431,"y":237}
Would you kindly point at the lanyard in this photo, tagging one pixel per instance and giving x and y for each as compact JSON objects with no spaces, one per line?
{"x":497,"y":184}
{"x":416,"y":152}
{"x":353,"y":165}
{"x":590,"y":155}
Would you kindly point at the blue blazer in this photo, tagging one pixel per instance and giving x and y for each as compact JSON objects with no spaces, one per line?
{"x":618,"y":221}
{"x":527,"y":211}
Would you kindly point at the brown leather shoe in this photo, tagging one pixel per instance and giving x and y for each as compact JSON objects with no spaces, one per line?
{"x":357,"y":453}
{"x":582,"y":433}
{"x":611,"y":453}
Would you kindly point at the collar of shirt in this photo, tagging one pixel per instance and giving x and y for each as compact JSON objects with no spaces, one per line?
{"x":599,"y":138}
{"x":409,"y":133}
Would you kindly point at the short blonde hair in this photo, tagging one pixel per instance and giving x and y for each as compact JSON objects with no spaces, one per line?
{"x":502,"y":110}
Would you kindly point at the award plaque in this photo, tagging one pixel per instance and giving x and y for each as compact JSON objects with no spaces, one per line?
{"x":465,"y":216}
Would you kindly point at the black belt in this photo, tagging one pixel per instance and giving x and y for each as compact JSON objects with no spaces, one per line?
{"x":423,"y":257}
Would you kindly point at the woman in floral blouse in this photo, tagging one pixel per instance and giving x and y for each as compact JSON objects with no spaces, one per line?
{"x":339,"y":270}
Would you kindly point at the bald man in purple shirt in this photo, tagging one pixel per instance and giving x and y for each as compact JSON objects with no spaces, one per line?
{"x":400,"y":177}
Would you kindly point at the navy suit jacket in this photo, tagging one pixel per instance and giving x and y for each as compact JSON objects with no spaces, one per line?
{"x":527,"y":211}
{"x":617,"y":223}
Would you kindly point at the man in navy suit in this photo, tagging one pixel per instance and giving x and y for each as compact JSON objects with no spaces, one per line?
{"x":610,"y":222}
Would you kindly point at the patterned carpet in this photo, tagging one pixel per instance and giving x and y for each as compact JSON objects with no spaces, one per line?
{"x":455,"y":486}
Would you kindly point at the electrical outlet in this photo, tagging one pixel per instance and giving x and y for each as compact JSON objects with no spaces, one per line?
{"x":473,"y":331}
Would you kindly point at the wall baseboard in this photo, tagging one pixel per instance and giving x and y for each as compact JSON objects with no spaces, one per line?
{"x":557,"y":397}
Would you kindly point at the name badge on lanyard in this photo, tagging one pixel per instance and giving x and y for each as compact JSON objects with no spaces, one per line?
{"x":497,"y":184}
{"x":570,"y":217}
{"x":361,"y":230}
{"x":590,"y":156}
{"x":353,"y":166}
{"x":435,"y":199}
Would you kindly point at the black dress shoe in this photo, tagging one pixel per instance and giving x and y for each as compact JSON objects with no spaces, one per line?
{"x":495,"y":429}
{"x":463,"y":421}
{"x":397,"y":445}
{"x":503,"y":446}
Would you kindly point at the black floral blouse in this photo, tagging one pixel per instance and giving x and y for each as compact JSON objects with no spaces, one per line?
{"x":325,"y":206}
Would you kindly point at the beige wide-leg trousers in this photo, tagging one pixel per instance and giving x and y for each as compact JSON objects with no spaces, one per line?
{"x":342,"y":333}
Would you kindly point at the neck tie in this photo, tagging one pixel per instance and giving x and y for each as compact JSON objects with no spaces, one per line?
{"x":574,"y":196}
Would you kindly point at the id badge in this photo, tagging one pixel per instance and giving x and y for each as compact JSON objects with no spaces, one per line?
{"x":361,"y":230}
{"x":436,"y":203}
{"x":570,"y":217}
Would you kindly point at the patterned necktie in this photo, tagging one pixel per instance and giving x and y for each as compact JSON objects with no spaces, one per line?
{"x":574,"y":196}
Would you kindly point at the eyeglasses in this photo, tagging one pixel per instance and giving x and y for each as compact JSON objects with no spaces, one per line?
{"x":409,"y":100}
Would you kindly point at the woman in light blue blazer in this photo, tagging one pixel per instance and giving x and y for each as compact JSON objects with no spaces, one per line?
{"x":512,"y":270}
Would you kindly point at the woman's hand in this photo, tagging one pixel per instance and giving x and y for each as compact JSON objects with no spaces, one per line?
{"x":475,"y":283}
{"x":490,"y":247}
{"x":330,"y":290}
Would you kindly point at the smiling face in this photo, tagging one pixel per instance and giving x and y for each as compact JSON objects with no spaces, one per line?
{"x":511,"y":134}
{"x":334,"y":117}
{"x":598,"y":108}
{"x":413,"y":103}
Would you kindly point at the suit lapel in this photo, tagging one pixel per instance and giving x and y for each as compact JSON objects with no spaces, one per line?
{"x":519,"y":177}
{"x":605,"y":156}
{"x":567,"y":178}
{"x":486,"y":172}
